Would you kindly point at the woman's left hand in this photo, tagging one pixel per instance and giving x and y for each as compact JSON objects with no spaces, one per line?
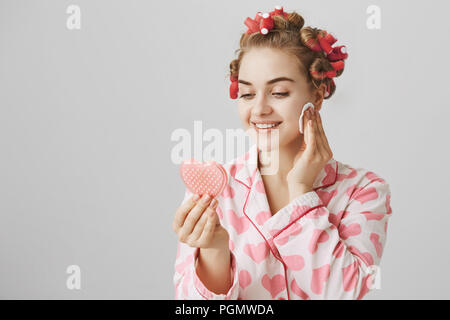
{"x":312,"y":160}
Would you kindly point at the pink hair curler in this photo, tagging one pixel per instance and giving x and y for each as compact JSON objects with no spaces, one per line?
{"x":204,"y":177}
{"x":300,"y":121}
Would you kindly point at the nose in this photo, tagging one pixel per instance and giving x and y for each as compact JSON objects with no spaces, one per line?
{"x":261,"y":106}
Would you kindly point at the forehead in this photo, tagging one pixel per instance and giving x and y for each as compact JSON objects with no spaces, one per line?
{"x":263,"y":64}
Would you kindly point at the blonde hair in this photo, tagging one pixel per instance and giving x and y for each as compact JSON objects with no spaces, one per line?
{"x":289,"y":35}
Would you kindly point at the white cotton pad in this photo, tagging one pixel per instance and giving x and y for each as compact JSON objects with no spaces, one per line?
{"x":300,"y":121}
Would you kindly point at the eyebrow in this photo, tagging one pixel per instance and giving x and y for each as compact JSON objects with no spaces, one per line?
{"x":268,"y":82}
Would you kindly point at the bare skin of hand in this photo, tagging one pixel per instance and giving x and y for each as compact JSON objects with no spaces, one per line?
{"x":316,"y":152}
{"x":196,"y":223}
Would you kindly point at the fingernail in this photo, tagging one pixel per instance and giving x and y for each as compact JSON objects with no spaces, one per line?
{"x":206,"y":198}
{"x":196,"y":197}
{"x":213,"y":203}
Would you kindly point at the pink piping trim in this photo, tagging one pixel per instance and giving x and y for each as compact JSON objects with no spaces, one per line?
{"x":310,"y":209}
{"x":270,"y":248}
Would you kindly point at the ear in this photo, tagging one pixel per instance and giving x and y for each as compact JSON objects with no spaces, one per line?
{"x":319,"y":95}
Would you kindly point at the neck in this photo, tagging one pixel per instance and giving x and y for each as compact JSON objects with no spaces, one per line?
{"x":286,"y":156}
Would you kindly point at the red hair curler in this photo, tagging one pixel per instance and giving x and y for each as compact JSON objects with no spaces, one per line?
{"x":338,"y":65}
{"x":314,"y":45}
{"x":251,"y":24}
{"x":324,"y":74}
{"x":330,"y":39}
{"x":322,"y":43}
{"x":266,"y":23}
{"x":234,"y":87}
{"x":263,"y":23}
{"x":338,"y":53}
{"x":325,"y":43}
{"x":279,"y":12}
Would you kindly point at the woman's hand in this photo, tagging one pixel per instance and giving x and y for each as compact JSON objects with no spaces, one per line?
{"x":196,"y":223}
{"x":313,"y":157}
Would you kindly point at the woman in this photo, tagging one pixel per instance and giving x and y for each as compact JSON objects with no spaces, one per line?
{"x":314,"y":228}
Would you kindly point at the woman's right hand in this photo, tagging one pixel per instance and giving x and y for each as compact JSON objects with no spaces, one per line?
{"x":196,"y":223}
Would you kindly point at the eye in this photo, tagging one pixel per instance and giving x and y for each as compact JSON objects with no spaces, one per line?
{"x":246,"y":96}
{"x":281,"y":94}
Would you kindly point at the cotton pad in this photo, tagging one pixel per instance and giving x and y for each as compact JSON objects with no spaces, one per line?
{"x":300,"y":121}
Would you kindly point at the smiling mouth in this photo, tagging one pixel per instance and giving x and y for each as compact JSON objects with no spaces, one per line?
{"x":266,"y":126}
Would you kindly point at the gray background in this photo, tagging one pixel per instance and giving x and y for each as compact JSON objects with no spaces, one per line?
{"x":86,"y":117}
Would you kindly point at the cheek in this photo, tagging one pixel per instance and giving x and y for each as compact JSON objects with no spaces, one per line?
{"x":244,"y":113}
{"x":291,"y":128}
{"x":290,"y":114}
{"x":291,"y":118}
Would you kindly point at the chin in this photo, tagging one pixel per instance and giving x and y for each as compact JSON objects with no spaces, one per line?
{"x":267,"y":145}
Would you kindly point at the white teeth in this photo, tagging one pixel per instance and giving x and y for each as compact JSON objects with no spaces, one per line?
{"x":265,"y":125}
